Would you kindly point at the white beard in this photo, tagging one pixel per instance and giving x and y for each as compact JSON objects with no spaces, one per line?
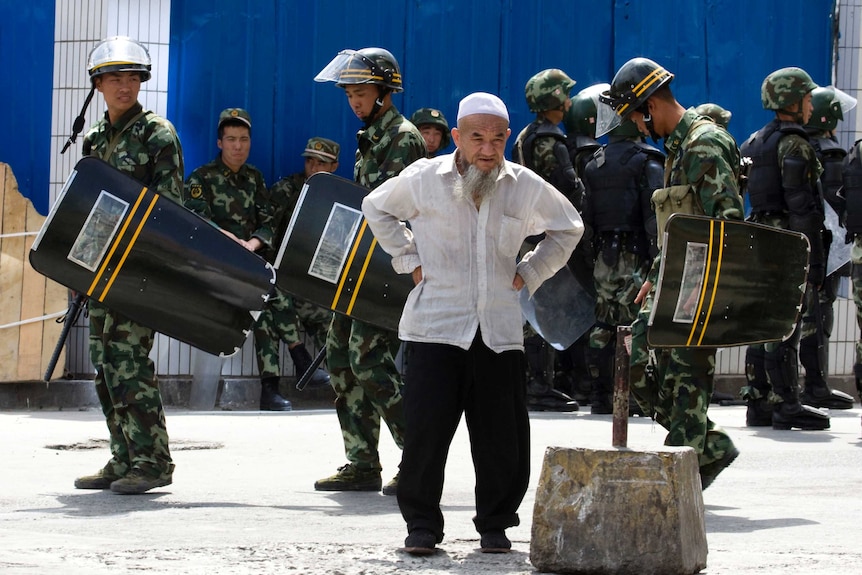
{"x":476,"y":185}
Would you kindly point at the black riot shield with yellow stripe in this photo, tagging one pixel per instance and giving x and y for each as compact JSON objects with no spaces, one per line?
{"x":726,"y":283}
{"x":145,"y":256}
{"x":330,"y":257}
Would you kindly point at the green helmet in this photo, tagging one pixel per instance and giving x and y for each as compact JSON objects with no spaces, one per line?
{"x":366,"y":66}
{"x":783,"y":88}
{"x":548,"y":90}
{"x":582,"y":116}
{"x":830,"y":104}
{"x":119,"y":54}
{"x":716,"y":112}
{"x":432,"y":117}
{"x":633,"y":84}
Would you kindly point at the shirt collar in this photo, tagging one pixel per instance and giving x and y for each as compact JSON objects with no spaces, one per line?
{"x":675,"y":139}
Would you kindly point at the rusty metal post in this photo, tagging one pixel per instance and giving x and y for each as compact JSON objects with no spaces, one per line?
{"x":621,"y":386}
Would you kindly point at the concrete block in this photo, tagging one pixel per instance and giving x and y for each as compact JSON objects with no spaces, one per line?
{"x":619,"y":511}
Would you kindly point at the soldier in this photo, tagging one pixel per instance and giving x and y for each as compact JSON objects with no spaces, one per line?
{"x":580,"y":122}
{"x":434,"y":128}
{"x":829,"y":105}
{"x":620,"y":180}
{"x":852,"y":177}
{"x":280,"y":320}
{"x":783,"y":191}
{"x":702,"y":171}
{"x":541,"y":146}
{"x":361,"y":357}
{"x":146,"y":147}
{"x":232,"y":195}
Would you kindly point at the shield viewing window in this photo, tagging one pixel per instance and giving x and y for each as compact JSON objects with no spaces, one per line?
{"x":98,"y":231}
{"x":692,"y":282}
{"x":335,"y":243}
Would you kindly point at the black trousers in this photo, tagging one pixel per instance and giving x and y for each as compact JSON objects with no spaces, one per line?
{"x":444,"y":381}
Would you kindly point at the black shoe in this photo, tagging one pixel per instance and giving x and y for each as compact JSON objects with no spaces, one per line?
{"x":420,"y":542}
{"x":270,"y":398}
{"x":824,"y":396}
{"x":495,"y":542}
{"x":710,"y":471}
{"x":601,"y":408}
{"x":759,"y":413}
{"x":796,"y":415}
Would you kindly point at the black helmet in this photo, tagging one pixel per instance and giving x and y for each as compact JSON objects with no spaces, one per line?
{"x":582,"y":117}
{"x":633,"y":83}
{"x":119,"y":54}
{"x":366,"y":66}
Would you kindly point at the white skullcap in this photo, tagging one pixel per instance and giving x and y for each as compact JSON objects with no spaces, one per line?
{"x":482,"y":103}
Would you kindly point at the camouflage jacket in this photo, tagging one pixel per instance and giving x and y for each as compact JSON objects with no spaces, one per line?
{"x":705,"y":157}
{"x":234,"y":201}
{"x":283,"y":196}
{"x":385,"y":148}
{"x":149,"y":150}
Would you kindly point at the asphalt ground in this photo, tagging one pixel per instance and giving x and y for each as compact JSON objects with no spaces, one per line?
{"x":243,"y":501}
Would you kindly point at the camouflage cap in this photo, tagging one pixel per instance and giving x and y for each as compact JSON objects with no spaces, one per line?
{"x":783,"y":88}
{"x":321,"y":149}
{"x":716,"y":112}
{"x":237,"y":114}
{"x":548,"y":90}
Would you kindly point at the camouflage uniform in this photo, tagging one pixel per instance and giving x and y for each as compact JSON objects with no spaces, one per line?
{"x":360,"y":356}
{"x":678,"y":387}
{"x":149,"y":151}
{"x":239,"y":203}
{"x":852,"y":178}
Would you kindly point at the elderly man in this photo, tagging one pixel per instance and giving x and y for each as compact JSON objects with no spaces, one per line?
{"x":469,"y":212}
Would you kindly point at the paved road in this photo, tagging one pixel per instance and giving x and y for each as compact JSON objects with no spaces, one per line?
{"x":242,"y":499}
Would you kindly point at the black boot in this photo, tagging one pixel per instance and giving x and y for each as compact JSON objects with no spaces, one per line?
{"x":857,"y":372}
{"x":601,"y":365}
{"x":270,"y":398}
{"x":302,"y":361}
{"x":790,"y":413}
{"x":817,"y":393}
{"x":541,"y":395}
{"x":756,"y":393}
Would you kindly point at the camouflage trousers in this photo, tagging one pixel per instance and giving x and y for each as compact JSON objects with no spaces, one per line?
{"x":128,"y":392}
{"x":616,"y":288}
{"x":280,"y":321}
{"x":361,"y":362}
{"x":676,"y":390}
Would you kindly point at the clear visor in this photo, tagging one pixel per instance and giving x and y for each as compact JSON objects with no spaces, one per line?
{"x":846,"y":101}
{"x":606,"y":118}
{"x":346,"y":60}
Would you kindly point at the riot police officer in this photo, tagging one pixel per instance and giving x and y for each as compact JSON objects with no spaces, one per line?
{"x":702,"y":173}
{"x":619,"y":181}
{"x":361,"y":357}
{"x":541,"y":146}
{"x":580,"y":122}
{"x":783,"y":191}
{"x":829,"y":105}
{"x":852,"y":178}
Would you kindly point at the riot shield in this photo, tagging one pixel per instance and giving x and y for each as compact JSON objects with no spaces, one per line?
{"x":839,"y":250}
{"x":727,"y":283}
{"x":145,"y":256}
{"x":330,"y":257}
{"x":561,"y":310}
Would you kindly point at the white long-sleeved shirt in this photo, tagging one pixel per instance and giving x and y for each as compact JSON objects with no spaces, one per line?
{"x":469,"y":256}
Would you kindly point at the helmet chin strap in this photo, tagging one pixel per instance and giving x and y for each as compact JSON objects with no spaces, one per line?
{"x":650,"y":126}
{"x":378,"y":103}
